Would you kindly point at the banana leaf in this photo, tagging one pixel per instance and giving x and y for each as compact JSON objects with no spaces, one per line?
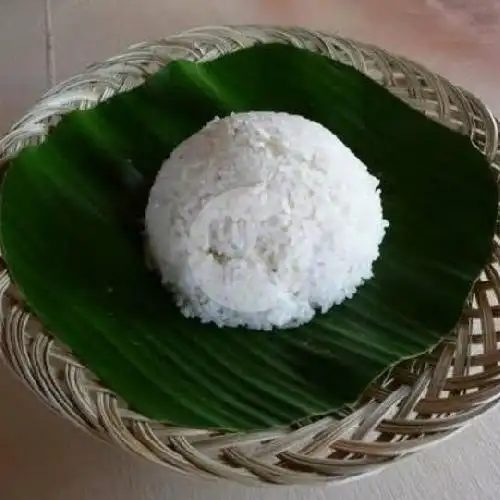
{"x":71,"y":229}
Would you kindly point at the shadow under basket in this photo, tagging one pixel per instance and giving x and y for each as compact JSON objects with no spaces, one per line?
{"x":417,"y":404}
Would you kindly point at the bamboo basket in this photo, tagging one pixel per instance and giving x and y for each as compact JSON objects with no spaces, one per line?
{"x":418,"y":404}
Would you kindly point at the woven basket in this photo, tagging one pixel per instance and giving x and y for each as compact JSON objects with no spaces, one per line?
{"x":420,"y":403}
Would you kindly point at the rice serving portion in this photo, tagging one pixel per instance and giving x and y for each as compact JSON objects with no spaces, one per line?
{"x":260,"y":219}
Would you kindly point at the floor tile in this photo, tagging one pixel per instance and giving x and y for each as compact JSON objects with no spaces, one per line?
{"x":22,"y":57}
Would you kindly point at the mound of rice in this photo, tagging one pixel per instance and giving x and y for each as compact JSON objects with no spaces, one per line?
{"x":262,"y":218}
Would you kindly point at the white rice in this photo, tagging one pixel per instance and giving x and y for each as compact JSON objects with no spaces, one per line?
{"x":262,"y":218}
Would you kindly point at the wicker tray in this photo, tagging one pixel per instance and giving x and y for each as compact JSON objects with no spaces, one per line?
{"x":420,"y":403}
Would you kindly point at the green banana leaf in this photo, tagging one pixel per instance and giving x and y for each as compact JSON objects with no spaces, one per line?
{"x":71,"y":233}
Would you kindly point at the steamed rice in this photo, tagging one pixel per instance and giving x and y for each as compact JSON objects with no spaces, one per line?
{"x":262,"y":218}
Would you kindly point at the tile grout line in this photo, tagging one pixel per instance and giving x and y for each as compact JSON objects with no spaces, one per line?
{"x":49,"y":45}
